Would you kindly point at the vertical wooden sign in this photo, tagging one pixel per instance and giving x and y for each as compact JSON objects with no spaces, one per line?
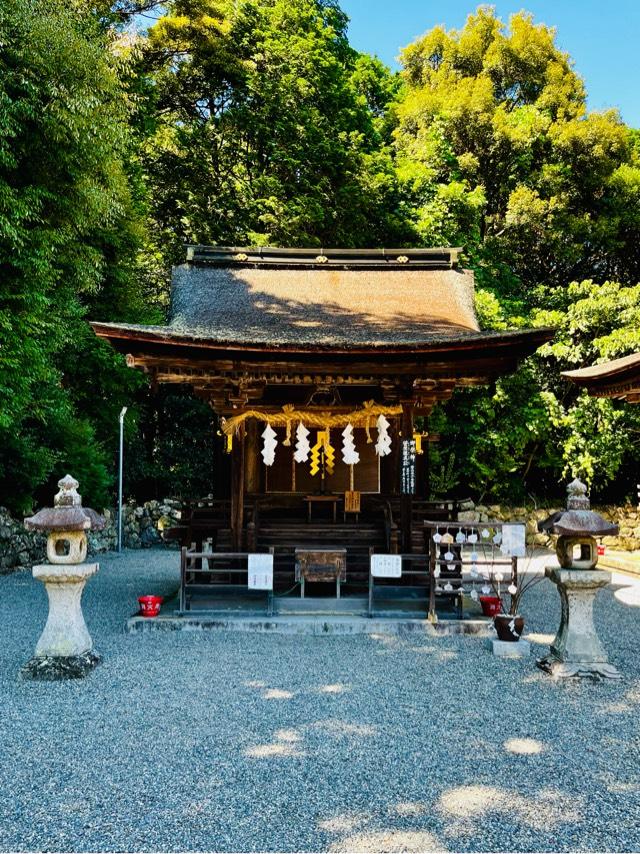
{"x":408,"y":471}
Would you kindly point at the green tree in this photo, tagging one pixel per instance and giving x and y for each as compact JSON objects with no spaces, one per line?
{"x":67,"y":236}
{"x":600,"y":439}
{"x":534,"y":430}
{"x":497,"y":152}
{"x":268,"y":127}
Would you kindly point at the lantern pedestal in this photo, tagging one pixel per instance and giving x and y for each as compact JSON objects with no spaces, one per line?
{"x":576,"y":650}
{"x":65,"y":648}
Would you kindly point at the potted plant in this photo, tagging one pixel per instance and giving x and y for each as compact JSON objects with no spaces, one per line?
{"x":509,"y":623}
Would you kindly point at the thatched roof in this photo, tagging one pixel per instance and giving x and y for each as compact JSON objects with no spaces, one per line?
{"x":322,"y":306}
{"x":308,"y":299}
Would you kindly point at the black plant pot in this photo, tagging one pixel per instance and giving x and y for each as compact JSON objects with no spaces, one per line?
{"x":509,"y":628}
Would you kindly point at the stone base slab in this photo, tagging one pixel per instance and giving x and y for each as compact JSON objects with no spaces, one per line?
{"x":567,"y":669}
{"x":54,"y":668}
{"x":306,"y":625}
{"x":511,"y":649}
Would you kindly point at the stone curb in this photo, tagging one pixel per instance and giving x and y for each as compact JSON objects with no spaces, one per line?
{"x":622,"y":562}
{"x":316,"y":626}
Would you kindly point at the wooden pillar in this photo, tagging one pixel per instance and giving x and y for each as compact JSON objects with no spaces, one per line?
{"x":395,"y":456}
{"x":251,"y":457}
{"x":237,"y":490}
{"x":426,"y":463}
{"x":252,"y":481}
{"x":221,"y":468}
{"x":406,"y":501}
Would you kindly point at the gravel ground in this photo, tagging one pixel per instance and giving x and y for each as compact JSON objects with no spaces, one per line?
{"x":237,"y":742}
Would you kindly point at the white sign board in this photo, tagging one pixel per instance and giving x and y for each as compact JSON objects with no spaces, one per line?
{"x":386,"y":566}
{"x":260,"y":572}
{"x":514,"y":541}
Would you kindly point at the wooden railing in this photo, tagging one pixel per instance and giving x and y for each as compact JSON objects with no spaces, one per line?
{"x":192,"y":564}
{"x":422,"y":571}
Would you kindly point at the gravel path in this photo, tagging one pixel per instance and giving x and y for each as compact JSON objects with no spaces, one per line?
{"x":238,"y":742}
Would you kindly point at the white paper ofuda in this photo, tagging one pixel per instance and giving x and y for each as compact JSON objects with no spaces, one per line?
{"x":260,"y":572}
{"x":514,"y":540}
{"x":386,"y":566}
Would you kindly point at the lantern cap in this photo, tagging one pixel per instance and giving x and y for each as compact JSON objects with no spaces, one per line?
{"x":67,"y":514}
{"x":578,"y":519}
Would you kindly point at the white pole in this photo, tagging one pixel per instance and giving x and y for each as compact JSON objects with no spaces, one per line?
{"x":123,"y":412}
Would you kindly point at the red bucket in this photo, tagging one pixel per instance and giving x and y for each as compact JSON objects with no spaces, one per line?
{"x":601,"y":550}
{"x":491,"y":605}
{"x":150,"y":605}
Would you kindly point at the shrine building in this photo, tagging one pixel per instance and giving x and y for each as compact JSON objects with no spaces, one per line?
{"x":318,"y":363}
{"x":618,"y":379}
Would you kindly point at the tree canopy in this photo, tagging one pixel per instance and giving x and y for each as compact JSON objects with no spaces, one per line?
{"x":268,"y":127}
{"x":497,"y":152}
{"x":67,"y":231}
{"x":255,"y":121}
{"x":497,"y":147}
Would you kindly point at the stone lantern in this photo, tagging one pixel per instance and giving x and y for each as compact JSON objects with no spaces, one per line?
{"x":65,"y":648}
{"x":576,"y":650}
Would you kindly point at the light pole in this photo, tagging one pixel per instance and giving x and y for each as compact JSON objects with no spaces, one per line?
{"x":123,"y":412}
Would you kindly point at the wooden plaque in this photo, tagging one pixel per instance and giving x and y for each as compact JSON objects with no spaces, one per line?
{"x":351,"y":502}
{"x":321,"y":564}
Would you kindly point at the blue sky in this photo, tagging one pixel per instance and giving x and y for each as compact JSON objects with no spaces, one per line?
{"x":602,"y":37}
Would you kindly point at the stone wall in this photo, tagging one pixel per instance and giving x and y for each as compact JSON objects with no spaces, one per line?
{"x":141,"y":528}
{"x":142,"y":525}
{"x":626,"y":517}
